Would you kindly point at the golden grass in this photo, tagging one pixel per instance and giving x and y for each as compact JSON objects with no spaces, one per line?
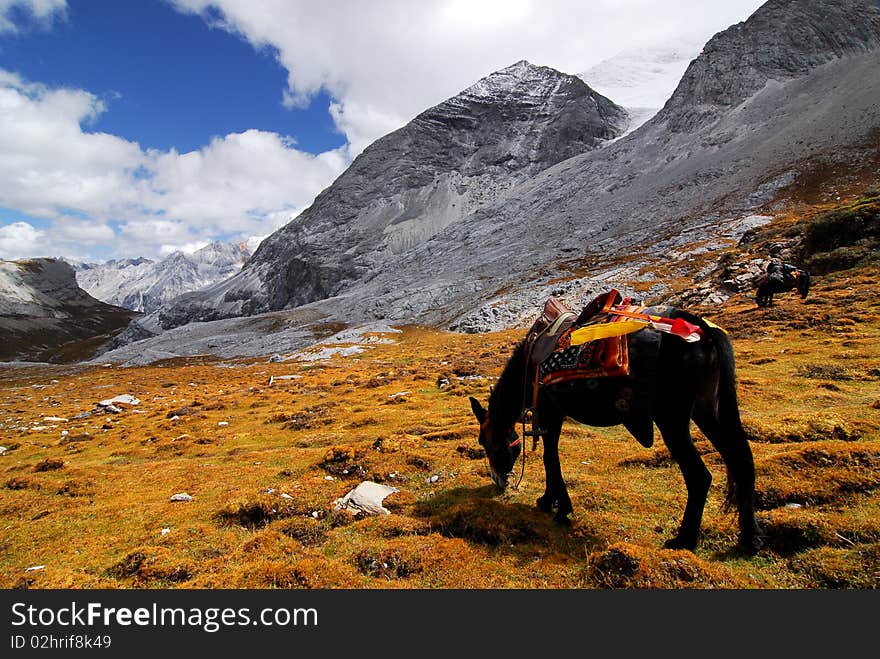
{"x":94,"y":506}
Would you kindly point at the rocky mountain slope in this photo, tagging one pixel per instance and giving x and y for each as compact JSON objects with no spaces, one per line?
{"x":45,"y":316}
{"x":790,"y":94}
{"x":410,"y":185}
{"x":145,"y":285}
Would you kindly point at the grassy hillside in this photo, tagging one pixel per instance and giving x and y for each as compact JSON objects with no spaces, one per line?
{"x":264,"y":462}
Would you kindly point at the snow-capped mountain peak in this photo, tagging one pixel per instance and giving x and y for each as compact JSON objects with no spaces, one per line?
{"x":144,"y":285}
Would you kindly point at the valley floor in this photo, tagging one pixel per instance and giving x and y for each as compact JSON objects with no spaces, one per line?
{"x":86,"y":502}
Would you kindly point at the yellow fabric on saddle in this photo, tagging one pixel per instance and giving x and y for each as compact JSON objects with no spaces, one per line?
{"x":605,"y":331}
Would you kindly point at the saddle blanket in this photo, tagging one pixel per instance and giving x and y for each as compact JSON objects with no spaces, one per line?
{"x":598,"y":349}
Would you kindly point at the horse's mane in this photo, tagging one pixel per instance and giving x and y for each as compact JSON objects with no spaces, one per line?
{"x":506,"y":399}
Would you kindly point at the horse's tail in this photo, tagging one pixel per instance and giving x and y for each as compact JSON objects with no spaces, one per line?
{"x":728,"y":413}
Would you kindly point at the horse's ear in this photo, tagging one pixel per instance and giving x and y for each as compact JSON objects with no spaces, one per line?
{"x":479,"y":412}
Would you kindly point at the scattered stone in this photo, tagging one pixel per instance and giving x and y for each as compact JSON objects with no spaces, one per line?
{"x":272,"y":378}
{"x":124,"y":399}
{"x":366,"y":498}
{"x":181,"y":496}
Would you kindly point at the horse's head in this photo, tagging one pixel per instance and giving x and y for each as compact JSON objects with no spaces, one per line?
{"x":502,"y":445}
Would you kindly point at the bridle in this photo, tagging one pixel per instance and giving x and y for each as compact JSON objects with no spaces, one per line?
{"x":487,"y":433}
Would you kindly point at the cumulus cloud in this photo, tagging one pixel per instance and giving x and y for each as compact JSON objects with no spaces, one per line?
{"x":53,"y":167}
{"x":41,"y":12}
{"x":385,"y":61}
{"x":20,"y":240}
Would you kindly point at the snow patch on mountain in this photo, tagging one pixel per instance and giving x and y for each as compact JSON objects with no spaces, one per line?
{"x":144,"y":285}
{"x":642,"y":79}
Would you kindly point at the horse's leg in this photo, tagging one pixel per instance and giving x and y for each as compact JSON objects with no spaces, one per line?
{"x":733,"y":446}
{"x":675,"y":430}
{"x":555,"y":492}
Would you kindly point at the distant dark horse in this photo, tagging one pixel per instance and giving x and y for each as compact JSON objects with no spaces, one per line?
{"x":770,"y":284}
{"x":670,"y":382}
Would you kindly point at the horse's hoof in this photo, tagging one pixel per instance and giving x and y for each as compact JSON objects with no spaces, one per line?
{"x":545,"y":504}
{"x":562,"y":520}
{"x":680,"y":543}
{"x":750,"y":545}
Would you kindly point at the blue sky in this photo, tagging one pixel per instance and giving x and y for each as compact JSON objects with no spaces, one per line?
{"x":138,"y":127}
{"x":138,"y":54}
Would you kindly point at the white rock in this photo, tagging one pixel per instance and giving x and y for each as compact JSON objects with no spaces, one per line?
{"x":328,"y":478}
{"x":165,"y":531}
{"x":223,"y":423}
{"x":366,"y":498}
{"x":34,"y":568}
{"x":181,"y":496}
{"x":794,"y":505}
{"x":3,"y":450}
{"x":125,"y":399}
{"x":434,"y":478}
{"x":285,"y":495}
{"x":49,"y":419}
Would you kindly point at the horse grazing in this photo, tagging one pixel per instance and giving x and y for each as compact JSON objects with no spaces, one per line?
{"x":670,"y":382}
{"x":782,"y":283}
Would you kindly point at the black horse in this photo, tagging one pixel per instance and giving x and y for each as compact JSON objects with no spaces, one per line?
{"x":670,"y":382}
{"x":782,"y":282}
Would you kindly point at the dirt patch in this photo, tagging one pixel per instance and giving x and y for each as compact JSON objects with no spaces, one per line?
{"x":628,"y":566}
{"x":151,"y":564}
{"x":388,"y":564}
{"x":306,"y":530}
{"x":257,"y":513}
{"x":344,"y":462}
{"x":470,"y":452}
{"x":49,"y":464}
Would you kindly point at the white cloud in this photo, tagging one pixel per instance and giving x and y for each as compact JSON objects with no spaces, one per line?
{"x":186,"y":248}
{"x":385,"y":61}
{"x":20,"y":240}
{"x":52,"y":167}
{"x":37,"y":11}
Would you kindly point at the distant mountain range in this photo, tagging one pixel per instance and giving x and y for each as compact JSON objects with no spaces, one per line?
{"x":145,"y":285}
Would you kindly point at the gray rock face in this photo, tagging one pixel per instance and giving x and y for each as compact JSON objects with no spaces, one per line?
{"x":729,"y":141}
{"x":782,"y":40}
{"x":42,"y":309}
{"x":144,"y":285}
{"x":408,"y":186}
